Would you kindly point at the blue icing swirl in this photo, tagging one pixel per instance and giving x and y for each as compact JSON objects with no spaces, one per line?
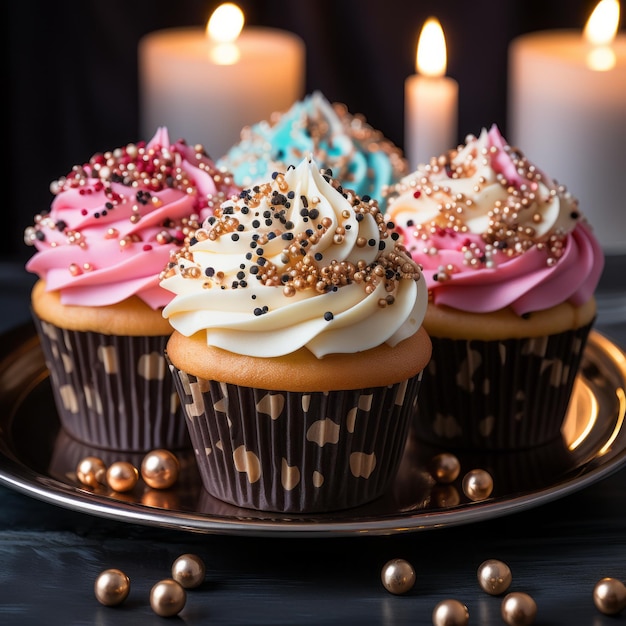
{"x":358,"y":155}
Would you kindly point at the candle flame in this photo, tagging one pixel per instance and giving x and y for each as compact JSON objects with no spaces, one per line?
{"x":602,"y":24}
{"x":431,"y":58}
{"x":600,"y":32}
{"x":222,"y":29}
{"x":225,"y":23}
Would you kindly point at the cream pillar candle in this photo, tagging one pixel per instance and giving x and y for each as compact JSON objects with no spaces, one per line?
{"x":431,"y":100}
{"x":205,"y":90}
{"x":567,"y":100}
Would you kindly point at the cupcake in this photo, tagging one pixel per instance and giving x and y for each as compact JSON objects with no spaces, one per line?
{"x":511,"y":266}
{"x":298,"y":347}
{"x":97,"y":304}
{"x":358,"y":155}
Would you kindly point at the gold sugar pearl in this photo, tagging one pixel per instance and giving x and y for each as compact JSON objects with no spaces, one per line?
{"x":398,"y":576}
{"x":160,"y":469}
{"x":494,"y":577}
{"x":445,"y":467}
{"x":518,"y":609}
{"x":189,"y":570}
{"x":477,"y":485}
{"x":609,"y":596}
{"x":167,"y":598}
{"x":91,"y":471}
{"x":122,"y":476}
{"x":450,"y":613}
{"x":111,"y":587}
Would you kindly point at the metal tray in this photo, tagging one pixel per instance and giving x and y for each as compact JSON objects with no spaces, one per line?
{"x":39,"y":459}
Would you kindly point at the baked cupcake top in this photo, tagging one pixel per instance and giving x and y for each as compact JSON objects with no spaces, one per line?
{"x":359,"y":156}
{"x":115,"y":219}
{"x":297,"y":261}
{"x":491,"y":230}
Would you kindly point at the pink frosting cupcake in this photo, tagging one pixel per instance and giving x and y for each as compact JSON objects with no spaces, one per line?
{"x":511,"y":266}
{"x":98,"y":304}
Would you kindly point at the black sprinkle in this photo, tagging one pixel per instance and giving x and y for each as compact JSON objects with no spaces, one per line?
{"x":328,"y":316}
{"x":235,"y":237}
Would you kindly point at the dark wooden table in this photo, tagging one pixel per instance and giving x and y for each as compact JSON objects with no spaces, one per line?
{"x":50,"y":557}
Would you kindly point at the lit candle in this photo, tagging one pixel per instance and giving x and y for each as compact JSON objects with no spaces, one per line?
{"x":430,"y":100}
{"x":567,"y":111}
{"x":206,"y":85}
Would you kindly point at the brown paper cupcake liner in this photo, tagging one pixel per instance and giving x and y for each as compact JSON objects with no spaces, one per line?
{"x":499,"y":395}
{"x":113,"y":392}
{"x":296,"y":452}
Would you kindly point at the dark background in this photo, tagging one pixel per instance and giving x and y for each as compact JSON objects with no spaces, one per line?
{"x":71,"y":71}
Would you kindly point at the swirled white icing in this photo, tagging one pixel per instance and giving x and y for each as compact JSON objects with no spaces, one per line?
{"x":295,"y":262}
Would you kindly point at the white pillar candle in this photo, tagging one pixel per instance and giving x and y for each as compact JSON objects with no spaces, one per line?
{"x":430,"y":101}
{"x":205,"y":90}
{"x":567,"y":112}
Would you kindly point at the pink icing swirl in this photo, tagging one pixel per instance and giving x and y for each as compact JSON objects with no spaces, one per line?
{"x":491,"y":231}
{"x":115,"y":220}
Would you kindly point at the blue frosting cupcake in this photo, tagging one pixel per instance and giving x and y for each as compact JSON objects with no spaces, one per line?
{"x":358,"y":155}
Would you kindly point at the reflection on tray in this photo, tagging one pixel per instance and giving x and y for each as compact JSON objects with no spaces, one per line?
{"x":414,"y":488}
